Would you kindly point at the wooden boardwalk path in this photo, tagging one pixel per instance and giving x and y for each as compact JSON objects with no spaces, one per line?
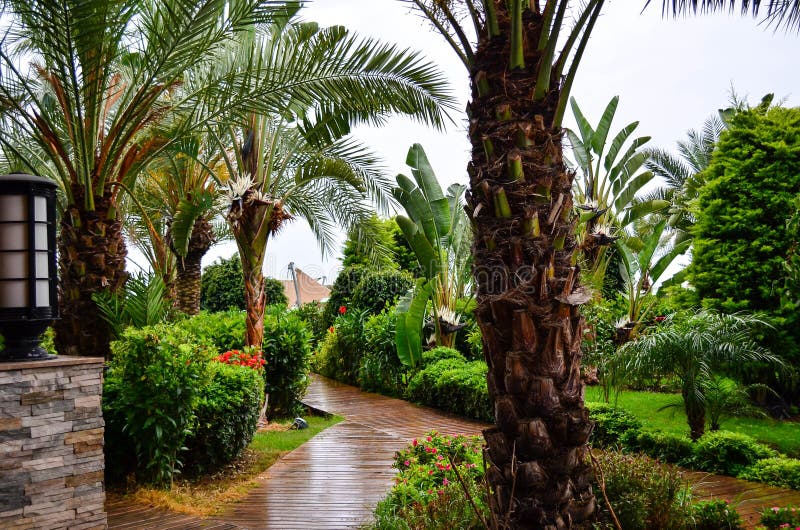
{"x":336,"y":478}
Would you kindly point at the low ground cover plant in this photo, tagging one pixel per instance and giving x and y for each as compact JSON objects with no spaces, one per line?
{"x":776,"y":518}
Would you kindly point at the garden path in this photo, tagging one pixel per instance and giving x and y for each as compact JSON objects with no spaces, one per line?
{"x":335,"y":479}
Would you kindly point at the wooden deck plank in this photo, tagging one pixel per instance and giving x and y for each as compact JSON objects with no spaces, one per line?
{"x":335,"y":479}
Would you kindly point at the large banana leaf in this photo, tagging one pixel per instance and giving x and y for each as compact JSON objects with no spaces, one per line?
{"x":601,"y":134}
{"x":423,"y":173}
{"x":666,"y":260}
{"x":410,"y":313}
{"x":616,"y":144}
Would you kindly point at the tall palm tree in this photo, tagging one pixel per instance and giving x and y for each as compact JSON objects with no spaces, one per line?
{"x":694,"y":347}
{"x":301,"y":162}
{"x":525,"y":253}
{"x":96,"y":100}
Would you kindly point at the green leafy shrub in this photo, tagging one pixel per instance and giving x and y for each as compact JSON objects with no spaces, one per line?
{"x":427,"y":493}
{"x":474,"y":340}
{"x":728,"y":453}
{"x":645,"y":495}
{"x":222,"y":285}
{"x":326,"y":360}
{"x":276,"y":294}
{"x":343,"y":348}
{"x":227,"y":417}
{"x":439,"y":354}
{"x":466,"y":338}
{"x":287,"y":352}
{"x":142,"y":302}
{"x":378,"y":290}
{"x":715,"y":514}
{"x":380,"y":369}
{"x":312,"y":314}
{"x":157,"y":374}
{"x":223,"y":330}
{"x":342,"y":291}
{"x":663,"y":446}
{"x":777,"y":471}
{"x":611,"y":423}
{"x":455,"y":386}
{"x":779,"y":518}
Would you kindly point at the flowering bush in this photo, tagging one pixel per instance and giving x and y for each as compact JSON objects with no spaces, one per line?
{"x":426,"y":466}
{"x":775,"y":517}
{"x":715,"y":514}
{"x":427,"y":493}
{"x":249,"y":357}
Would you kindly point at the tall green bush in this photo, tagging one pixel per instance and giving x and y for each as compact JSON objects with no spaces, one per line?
{"x":741,"y":241}
{"x":287,"y":351}
{"x":342,"y":291}
{"x":380,"y":369}
{"x":222,"y":286}
{"x":379,"y":290}
{"x":227,"y":417}
{"x":157,"y":374}
{"x":222,"y":330}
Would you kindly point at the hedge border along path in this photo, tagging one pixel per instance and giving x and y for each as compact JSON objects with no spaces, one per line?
{"x":335,"y":479}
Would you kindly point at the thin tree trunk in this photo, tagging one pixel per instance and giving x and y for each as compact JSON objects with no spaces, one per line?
{"x":255,"y":300}
{"x":527,"y":292}
{"x":91,"y":258}
{"x":695,"y":416}
{"x":188,"y":274}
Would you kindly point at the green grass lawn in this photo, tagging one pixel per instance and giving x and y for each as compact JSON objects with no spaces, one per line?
{"x":782,"y":435}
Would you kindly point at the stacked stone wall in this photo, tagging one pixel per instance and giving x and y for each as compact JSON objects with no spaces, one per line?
{"x":51,"y":444}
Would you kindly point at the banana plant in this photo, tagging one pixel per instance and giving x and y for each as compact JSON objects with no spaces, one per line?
{"x":640,"y":270}
{"x":608,"y":183}
{"x":438,"y":231}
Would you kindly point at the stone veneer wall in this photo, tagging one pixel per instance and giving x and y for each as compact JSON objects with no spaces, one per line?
{"x":51,"y":444}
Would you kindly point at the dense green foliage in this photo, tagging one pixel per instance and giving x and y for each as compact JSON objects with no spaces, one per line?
{"x":776,"y":518}
{"x":342,"y":291}
{"x":454,"y":385}
{"x":287,"y":350}
{"x":378,"y":290}
{"x":141,"y":302}
{"x":312,"y":314}
{"x":380,"y":370}
{"x":222,"y":286}
{"x":340,"y":355}
{"x":663,"y":446}
{"x":227,"y":417}
{"x":741,"y":241}
{"x":154,"y":383}
{"x":728,"y":453}
{"x":396,"y":252}
{"x":778,"y":471}
{"x":611,"y":423}
{"x":715,"y":514}
{"x":223,"y":330}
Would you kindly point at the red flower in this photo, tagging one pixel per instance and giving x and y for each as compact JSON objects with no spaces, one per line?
{"x":331,"y":329}
{"x":342,"y":310}
{"x":660,"y":318}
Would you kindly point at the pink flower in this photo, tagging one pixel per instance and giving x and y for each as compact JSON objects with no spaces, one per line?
{"x":445,"y":482}
{"x":429,"y":439}
{"x":430,"y":472}
{"x":414,"y":442}
{"x":407,"y":463}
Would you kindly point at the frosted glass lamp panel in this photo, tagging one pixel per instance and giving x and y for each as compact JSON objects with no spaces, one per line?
{"x":13,"y":208}
{"x":14,"y":293}
{"x":40,"y":209}
{"x":14,"y":236}
{"x":42,"y":293}
{"x":14,"y":265}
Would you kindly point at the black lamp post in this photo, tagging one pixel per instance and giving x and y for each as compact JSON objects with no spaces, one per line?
{"x":28,"y":298}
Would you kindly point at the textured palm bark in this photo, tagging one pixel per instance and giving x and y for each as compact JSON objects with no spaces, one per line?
{"x":188,"y":271}
{"x":255,"y":301}
{"x":695,"y":415}
{"x":91,"y":258}
{"x":528,"y":294}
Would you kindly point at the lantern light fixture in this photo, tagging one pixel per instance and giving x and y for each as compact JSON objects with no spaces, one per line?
{"x":28,"y":278}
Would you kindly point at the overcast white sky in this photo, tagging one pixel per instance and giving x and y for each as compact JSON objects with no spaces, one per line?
{"x":670,"y":75}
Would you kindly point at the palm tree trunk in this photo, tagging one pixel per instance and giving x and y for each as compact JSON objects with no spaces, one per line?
{"x":255,"y":301}
{"x":187,"y":278}
{"x":91,"y":258}
{"x":695,"y":415}
{"x":527,"y":292}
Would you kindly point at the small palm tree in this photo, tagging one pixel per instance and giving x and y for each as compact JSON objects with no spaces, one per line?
{"x":693,"y":347}
{"x":301,"y":162}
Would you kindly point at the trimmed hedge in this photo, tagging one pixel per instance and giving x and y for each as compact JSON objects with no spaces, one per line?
{"x":728,"y":453}
{"x":227,"y":417}
{"x":380,"y":369}
{"x":611,"y":424}
{"x":454,"y":385}
{"x":379,"y":290}
{"x":663,"y":446}
{"x":287,"y":351}
{"x":777,"y":471}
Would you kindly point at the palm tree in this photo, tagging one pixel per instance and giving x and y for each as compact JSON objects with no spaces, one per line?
{"x":693,"y":347}
{"x":97,"y":101}
{"x":181,"y":188}
{"x":778,"y":12}
{"x":525,"y":252}
{"x":300,"y":162}
{"x":683,"y":173}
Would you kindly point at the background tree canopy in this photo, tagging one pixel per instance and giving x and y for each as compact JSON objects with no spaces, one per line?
{"x":222,"y":286}
{"x":741,"y":239}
